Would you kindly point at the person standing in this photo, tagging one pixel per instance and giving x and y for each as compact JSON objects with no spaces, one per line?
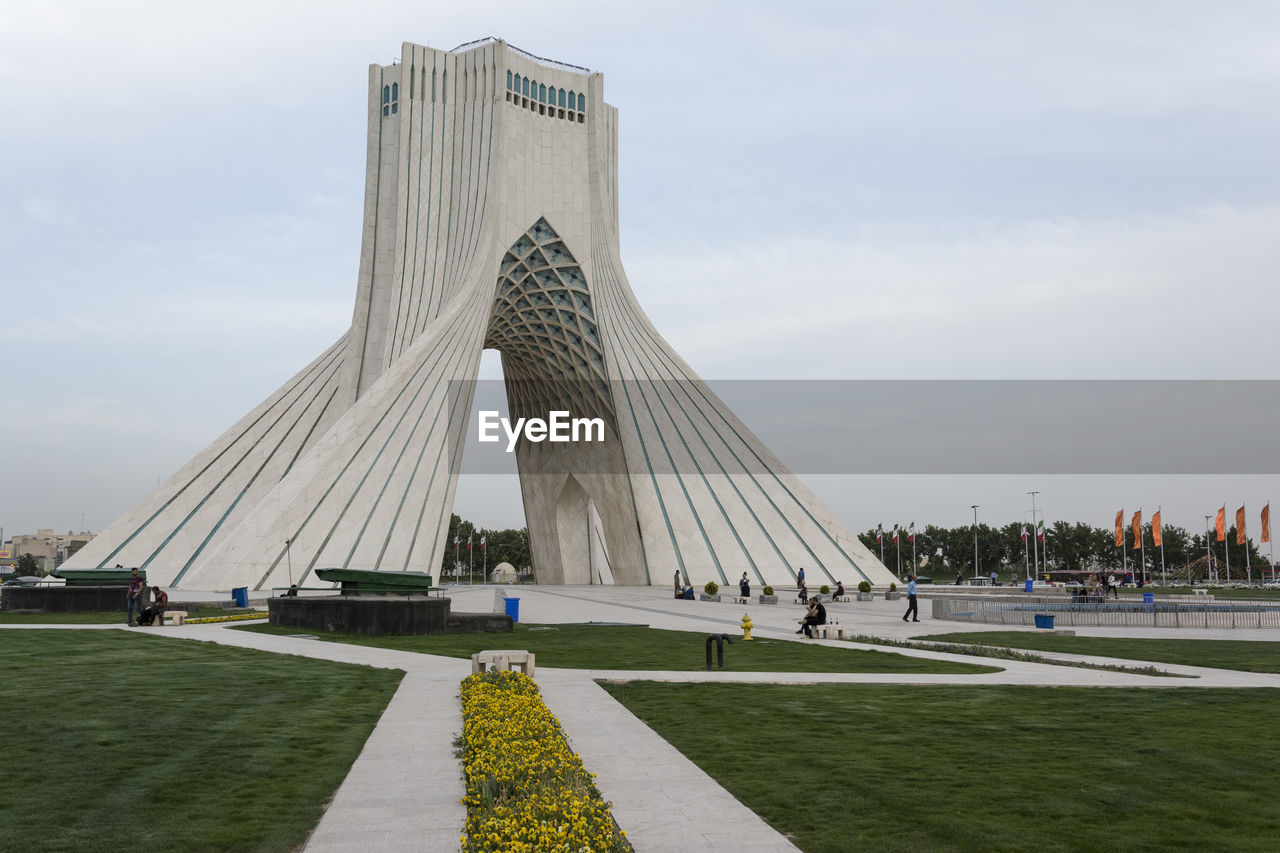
{"x":677,"y":581}
{"x":912,"y":608}
{"x":744,"y":586}
{"x":134,"y":602}
{"x":993,"y":578}
{"x":800,"y":579}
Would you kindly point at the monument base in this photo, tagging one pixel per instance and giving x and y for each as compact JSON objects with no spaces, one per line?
{"x":67,"y":599}
{"x":381,"y":614}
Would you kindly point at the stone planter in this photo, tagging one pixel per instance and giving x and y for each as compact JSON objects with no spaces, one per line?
{"x":892,"y":595}
{"x":702,"y":596}
{"x":866,"y":596}
{"x":768,"y":599}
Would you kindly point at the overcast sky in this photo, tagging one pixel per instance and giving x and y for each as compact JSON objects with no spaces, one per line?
{"x":865,"y":190}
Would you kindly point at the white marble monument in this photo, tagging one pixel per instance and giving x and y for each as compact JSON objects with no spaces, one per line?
{"x":490,"y":221}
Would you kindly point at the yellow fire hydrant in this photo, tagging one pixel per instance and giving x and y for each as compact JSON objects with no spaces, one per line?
{"x":746,"y":626}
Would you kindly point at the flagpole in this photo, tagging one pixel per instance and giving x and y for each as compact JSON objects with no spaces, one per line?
{"x":1142,"y":546}
{"x":1035,"y":543}
{"x":1226,"y":541}
{"x":1026,"y":554}
{"x":1271,"y":542}
{"x":484,"y":553}
{"x":880,"y":539}
{"x":913,"y":548}
{"x":1248,"y":569}
{"x":1164,"y":576}
{"x":1124,"y":546}
{"x":471,"y":561}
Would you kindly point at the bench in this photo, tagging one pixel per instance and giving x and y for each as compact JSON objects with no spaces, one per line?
{"x":828,"y":632}
{"x":175,"y":617}
{"x":502,"y":659}
{"x":738,"y":599}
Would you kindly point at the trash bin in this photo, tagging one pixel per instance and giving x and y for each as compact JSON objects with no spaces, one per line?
{"x":1148,"y":598}
{"x":240,"y":595}
{"x":1043,"y":620}
{"x":513,"y":608}
{"x":1030,"y":584}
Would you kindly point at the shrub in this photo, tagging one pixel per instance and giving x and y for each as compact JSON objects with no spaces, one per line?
{"x":824,"y":589}
{"x":864,"y":586}
{"x":893,"y":587}
{"x":768,"y":590}
{"x":711,"y":588}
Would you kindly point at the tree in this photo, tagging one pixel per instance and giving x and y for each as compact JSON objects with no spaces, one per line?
{"x":28,"y":567}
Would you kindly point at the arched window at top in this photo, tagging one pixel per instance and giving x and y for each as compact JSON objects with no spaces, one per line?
{"x":395,"y":97}
{"x":571,"y":101}
{"x":386,"y":100}
{"x":508,"y":79}
{"x":524,"y":81}
{"x":582,"y":103}
{"x":542,"y":94}
{"x":562,"y":97}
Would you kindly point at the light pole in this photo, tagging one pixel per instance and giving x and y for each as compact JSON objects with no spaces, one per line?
{"x":974,"y":507}
{"x":1035,"y":537}
{"x":288,"y":558}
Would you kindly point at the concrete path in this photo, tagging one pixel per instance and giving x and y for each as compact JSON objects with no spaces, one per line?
{"x":404,"y":791}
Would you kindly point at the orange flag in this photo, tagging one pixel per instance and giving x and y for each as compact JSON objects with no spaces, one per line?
{"x":1266,"y":523}
{"x":1136,"y":524}
{"x":1221,"y":524}
{"x":1240,"y":526}
{"x":1155,"y":529}
{"x":1120,"y":529}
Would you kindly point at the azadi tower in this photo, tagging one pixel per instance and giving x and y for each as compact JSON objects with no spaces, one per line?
{"x":490,"y":221}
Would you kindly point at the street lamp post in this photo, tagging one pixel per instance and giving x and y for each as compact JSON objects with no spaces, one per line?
{"x":974,"y":507}
{"x":289,"y":560}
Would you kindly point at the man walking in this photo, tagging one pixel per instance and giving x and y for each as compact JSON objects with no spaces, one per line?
{"x":134,"y":603}
{"x":912,"y":609}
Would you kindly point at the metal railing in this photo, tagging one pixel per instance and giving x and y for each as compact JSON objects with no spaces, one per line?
{"x":1157,"y":614}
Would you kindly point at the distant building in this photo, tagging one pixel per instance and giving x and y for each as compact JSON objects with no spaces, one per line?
{"x":50,"y":549}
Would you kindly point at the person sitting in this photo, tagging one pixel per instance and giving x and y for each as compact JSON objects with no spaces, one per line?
{"x":803,"y":594}
{"x":152,"y":614}
{"x":816,"y":615}
{"x":839,"y":593}
{"x":959,"y":578}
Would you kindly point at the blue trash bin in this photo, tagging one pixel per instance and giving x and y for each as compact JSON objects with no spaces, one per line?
{"x":240,"y":595}
{"x":1043,"y":620}
{"x":513,"y":608}
{"x":1030,"y":584}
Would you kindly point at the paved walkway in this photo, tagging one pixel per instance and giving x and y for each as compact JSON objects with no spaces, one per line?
{"x":404,"y":791}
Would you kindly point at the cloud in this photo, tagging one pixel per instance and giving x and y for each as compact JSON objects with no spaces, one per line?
{"x":1169,"y":296}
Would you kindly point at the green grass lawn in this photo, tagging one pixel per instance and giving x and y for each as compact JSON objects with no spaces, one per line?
{"x":118,"y":741}
{"x":102,"y":618}
{"x":641,"y":648}
{"x":1246,"y":655}
{"x":1009,"y":768}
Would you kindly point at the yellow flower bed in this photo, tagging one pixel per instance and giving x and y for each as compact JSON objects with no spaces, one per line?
{"x":238,"y":617}
{"x":526,"y":791}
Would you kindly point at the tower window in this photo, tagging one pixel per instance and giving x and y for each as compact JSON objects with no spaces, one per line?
{"x":386,"y":100}
{"x":542,"y":94}
{"x":562,"y":97}
{"x":525,"y":83}
{"x":395,"y":98}
{"x":508,"y":79}
{"x":582,"y":103}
